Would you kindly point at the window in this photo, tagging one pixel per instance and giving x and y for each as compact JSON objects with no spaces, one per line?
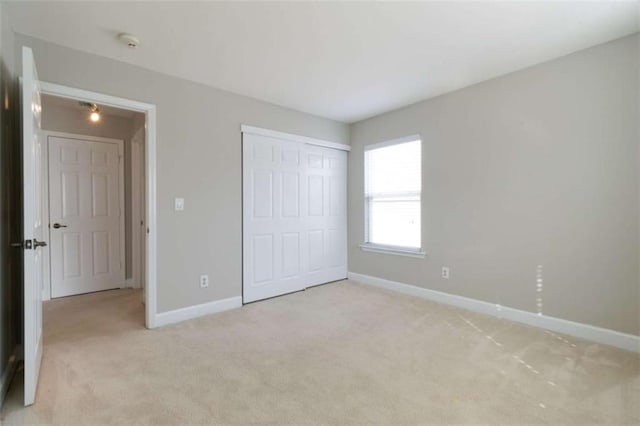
{"x":393,"y":185}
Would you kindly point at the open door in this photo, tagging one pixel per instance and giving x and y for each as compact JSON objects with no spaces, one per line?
{"x":31,"y":163}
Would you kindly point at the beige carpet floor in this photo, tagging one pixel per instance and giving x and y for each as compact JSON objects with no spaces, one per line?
{"x":342,"y":353}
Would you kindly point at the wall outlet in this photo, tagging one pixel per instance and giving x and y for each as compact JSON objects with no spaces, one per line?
{"x":445,"y":272}
{"x":204,"y":281}
{"x":179,"y":204}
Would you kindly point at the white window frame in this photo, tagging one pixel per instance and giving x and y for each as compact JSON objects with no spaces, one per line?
{"x":389,"y":249}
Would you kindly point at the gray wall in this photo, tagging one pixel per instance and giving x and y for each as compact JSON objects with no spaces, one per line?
{"x":59,"y":118}
{"x":538,"y":167}
{"x":198,"y":158}
{"x":10,"y":212}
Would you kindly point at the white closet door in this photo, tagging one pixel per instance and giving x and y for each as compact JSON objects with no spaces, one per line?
{"x":294,"y":216}
{"x":326,"y":225}
{"x":273,"y":232}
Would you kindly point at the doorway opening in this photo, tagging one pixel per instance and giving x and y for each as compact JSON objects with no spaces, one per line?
{"x":92,"y":197}
{"x":98,"y":180}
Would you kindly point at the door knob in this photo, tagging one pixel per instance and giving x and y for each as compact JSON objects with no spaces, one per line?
{"x":57,"y":225}
{"x":37,"y":244}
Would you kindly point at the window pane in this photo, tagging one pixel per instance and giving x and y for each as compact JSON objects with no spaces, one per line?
{"x":393,"y":180}
{"x":394,"y":222}
{"x":394,"y":169}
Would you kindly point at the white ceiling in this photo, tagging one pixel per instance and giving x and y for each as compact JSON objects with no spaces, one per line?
{"x":345,"y":61}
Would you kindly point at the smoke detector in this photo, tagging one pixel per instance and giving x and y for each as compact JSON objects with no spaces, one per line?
{"x":129,"y":39}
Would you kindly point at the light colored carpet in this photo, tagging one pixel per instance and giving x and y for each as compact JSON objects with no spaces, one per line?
{"x":342,"y":353}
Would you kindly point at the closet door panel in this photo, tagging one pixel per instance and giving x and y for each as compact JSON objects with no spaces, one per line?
{"x":327,"y":214}
{"x":273,"y":262}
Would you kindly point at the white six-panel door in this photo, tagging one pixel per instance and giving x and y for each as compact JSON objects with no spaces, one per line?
{"x":32,"y":221}
{"x":326,"y":224}
{"x":85,"y":209}
{"x":294,"y":216}
{"x":273,"y":238}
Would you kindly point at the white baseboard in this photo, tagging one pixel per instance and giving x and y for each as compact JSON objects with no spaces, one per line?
{"x":9,"y":372}
{"x":196,"y":311}
{"x":605,"y":336}
{"x":130,"y":283}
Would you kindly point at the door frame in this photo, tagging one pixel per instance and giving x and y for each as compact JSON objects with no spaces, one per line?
{"x":149,"y":110}
{"x":137,"y":211}
{"x":46,"y":211}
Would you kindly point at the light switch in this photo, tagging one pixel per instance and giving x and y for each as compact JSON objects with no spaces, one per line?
{"x":179,"y":204}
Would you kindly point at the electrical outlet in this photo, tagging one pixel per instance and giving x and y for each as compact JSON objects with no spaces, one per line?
{"x":445,"y":272}
{"x":179,"y":204}
{"x":204,"y":281}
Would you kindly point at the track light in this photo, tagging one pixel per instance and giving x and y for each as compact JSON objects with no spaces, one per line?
{"x":95,"y":111}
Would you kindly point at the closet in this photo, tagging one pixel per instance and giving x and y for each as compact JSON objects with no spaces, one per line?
{"x":294,"y":213}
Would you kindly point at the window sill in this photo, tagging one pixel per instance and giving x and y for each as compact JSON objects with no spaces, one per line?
{"x":398,"y":251}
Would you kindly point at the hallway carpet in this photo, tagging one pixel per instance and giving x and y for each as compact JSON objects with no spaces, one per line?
{"x":342,"y":353}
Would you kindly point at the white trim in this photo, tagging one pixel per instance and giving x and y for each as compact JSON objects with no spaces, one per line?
{"x":398,"y":251}
{"x":191,"y":312}
{"x":47,"y":290}
{"x":150,"y":163}
{"x":151,"y":272}
{"x":7,"y":376}
{"x":592,"y":333}
{"x":123,"y":209}
{"x":137,"y":207}
{"x":69,"y":135}
{"x":404,"y":139}
{"x":46,"y":251}
{"x":294,"y":138}
{"x":89,"y":96}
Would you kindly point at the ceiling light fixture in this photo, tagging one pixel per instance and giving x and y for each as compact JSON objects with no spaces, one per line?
{"x":95,"y":111}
